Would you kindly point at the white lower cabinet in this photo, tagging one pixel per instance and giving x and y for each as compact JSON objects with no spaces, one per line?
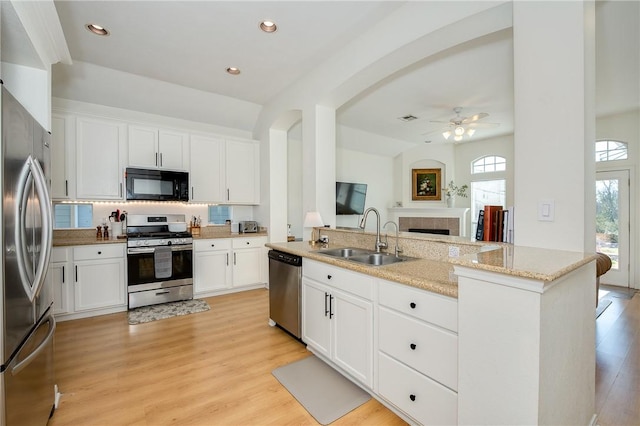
{"x":248,"y":260}
{"x":99,"y":276}
{"x":418,"y":353}
{"x":60,"y":276}
{"x":338,"y":317}
{"x":88,"y":280}
{"x":212,"y":266}
{"x":224,"y":264}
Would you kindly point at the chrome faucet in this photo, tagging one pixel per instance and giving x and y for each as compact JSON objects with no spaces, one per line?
{"x":379,"y":244}
{"x":398,"y":250}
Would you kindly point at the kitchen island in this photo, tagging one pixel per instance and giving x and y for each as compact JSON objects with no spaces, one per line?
{"x":509,"y":333}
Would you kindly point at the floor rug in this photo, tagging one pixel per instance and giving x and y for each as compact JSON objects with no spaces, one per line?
{"x":166,"y":310}
{"x":321,"y":390}
{"x":602,"y":305}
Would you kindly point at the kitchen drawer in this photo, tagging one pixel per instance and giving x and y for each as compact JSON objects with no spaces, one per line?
{"x":434,"y":308}
{"x":420,"y":397}
{"x":98,"y":251}
{"x":429,"y":349}
{"x":212,"y":244}
{"x":246,"y":242}
{"x":343,"y":279}
{"x":59,"y":254}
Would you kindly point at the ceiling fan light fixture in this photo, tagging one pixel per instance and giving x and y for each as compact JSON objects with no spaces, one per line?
{"x":268,"y":26}
{"x":457,"y":138}
{"x":470,"y":132}
{"x":459,"y":131}
{"x":447,"y":134}
{"x":97,"y":29}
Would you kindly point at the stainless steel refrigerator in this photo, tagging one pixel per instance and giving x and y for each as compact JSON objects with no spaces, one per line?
{"x":27,"y":325}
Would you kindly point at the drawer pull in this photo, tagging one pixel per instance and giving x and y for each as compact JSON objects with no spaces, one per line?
{"x":99,"y":252}
{"x":326,"y":310}
{"x":412,"y":397}
{"x":213,"y":245}
{"x":413,"y":346}
{"x":413,"y":305}
{"x":248,"y":242}
{"x":328,"y":277}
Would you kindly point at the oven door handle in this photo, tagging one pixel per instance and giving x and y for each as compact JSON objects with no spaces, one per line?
{"x":141,"y":250}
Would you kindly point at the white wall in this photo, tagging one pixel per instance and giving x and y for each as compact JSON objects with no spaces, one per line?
{"x":30,"y":86}
{"x":295,"y":214}
{"x":374,"y":170}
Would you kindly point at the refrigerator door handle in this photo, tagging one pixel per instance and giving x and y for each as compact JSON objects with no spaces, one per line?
{"x":31,"y":171}
{"x":33,"y":355}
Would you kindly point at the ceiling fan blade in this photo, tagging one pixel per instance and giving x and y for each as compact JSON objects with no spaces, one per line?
{"x":438,"y":121}
{"x":482,"y":125}
{"x":433,"y":132}
{"x":475,"y":117}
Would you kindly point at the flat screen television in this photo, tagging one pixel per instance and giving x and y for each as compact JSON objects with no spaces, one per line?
{"x":350,"y":198}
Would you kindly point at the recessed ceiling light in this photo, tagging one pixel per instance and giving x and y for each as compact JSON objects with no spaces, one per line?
{"x":97,"y":29}
{"x":233,"y":70}
{"x":268,"y":26}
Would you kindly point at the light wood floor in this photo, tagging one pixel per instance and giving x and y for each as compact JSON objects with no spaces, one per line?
{"x":210,"y":368}
{"x":214,"y":368}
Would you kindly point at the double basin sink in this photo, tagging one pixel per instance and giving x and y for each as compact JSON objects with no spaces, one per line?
{"x":364,"y":256}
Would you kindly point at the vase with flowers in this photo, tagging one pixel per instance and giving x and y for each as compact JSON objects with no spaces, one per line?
{"x":451,"y":191}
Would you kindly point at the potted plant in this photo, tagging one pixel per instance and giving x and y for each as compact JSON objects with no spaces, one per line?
{"x":451,"y":191}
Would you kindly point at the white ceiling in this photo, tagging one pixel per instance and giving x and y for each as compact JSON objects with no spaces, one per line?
{"x":191,"y":43}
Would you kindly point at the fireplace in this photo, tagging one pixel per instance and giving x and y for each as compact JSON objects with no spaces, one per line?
{"x":436,"y":220}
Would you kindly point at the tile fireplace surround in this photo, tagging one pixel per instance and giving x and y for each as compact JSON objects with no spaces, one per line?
{"x":453,"y":219}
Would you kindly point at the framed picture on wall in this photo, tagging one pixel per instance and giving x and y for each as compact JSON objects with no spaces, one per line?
{"x":426,"y":184}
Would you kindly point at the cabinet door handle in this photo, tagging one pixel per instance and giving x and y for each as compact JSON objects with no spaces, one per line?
{"x":328,"y":277}
{"x":326,"y":311}
{"x":120,"y":189}
{"x":413,"y":305}
{"x":192,"y":192}
{"x":66,"y":187}
{"x":413,"y":346}
{"x":227,"y":259}
{"x":412,"y":397}
{"x":330,"y":306}
{"x":76,"y":273}
{"x":156,"y":159}
{"x":160,"y":159}
{"x":228,"y":196}
{"x":234,"y":258}
{"x":62,"y":274}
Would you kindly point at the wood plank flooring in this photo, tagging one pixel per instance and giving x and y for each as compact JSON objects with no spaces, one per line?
{"x":210,"y":368}
{"x":214,"y":368}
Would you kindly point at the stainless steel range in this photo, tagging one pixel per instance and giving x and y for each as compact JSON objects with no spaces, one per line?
{"x":160,"y":261}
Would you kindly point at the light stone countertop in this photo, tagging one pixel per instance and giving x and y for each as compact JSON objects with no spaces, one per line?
{"x":427,"y":274}
{"x":436,"y":275}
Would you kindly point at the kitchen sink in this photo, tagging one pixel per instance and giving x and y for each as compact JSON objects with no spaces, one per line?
{"x":346,"y":252}
{"x":378,"y":259}
{"x":364,"y":256}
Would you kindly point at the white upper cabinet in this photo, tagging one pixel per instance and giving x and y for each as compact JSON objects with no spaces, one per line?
{"x":243,"y":172}
{"x":207,"y":169}
{"x":150,"y":147}
{"x":224,"y":171}
{"x":62,"y":149}
{"x":100,"y":150}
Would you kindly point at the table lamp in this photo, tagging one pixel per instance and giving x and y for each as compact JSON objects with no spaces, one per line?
{"x":312,"y":220}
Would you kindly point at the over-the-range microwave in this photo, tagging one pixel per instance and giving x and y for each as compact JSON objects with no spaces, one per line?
{"x":156,"y":185}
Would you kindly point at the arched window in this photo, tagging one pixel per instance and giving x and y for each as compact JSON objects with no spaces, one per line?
{"x":489,"y":189}
{"x":611,"y":151}
{"x":488,"y":164}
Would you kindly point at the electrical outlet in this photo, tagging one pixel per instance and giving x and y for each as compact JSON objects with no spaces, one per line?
{"x":454,"y":251}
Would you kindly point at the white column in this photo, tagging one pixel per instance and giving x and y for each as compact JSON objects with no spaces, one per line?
{"x":319,"y":162}
{"x":276,"y":198}
{"x":554,"y":118}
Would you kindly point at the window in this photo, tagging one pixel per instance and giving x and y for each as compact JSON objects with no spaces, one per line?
{"x":488,"y":164}
{"x":218,"y":215}
{"x":72,"y":216}
{"x":611,"y":151}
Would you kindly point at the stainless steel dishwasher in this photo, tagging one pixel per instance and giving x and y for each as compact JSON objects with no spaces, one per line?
{"x":285,"y":291}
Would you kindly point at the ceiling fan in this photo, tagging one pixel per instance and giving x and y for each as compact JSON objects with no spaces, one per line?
{"x":459,"y":126}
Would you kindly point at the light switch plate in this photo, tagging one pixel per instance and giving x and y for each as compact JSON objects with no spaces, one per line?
{"x":546,"y":210}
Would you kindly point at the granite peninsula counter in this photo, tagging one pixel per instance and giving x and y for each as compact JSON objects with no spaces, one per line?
{"x":520,"y":344}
